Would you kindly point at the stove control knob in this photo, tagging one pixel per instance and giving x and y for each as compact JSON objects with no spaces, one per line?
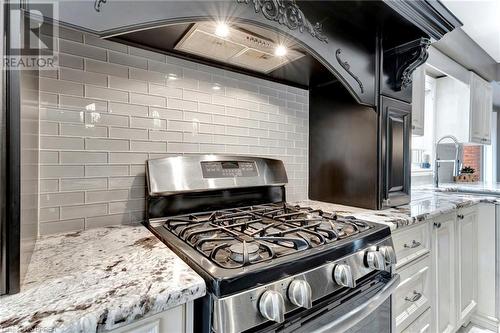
{"x":300,"y":294}
{"x":272,"y":306}
{"x":375,"y":260}
{"x":389,"y":256}
{"x":342,"y":275}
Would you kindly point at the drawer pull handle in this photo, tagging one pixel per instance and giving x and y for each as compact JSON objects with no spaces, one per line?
{"x":413,"y":244}
{"x":416,"y":296}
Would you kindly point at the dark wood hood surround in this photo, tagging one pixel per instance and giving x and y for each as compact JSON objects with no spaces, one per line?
{"x":360,"y":56}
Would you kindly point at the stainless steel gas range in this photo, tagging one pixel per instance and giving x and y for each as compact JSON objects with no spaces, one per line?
{"x":269,"y":266}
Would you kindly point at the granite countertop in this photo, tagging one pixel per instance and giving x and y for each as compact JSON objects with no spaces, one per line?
{"x":425,"y":204}
{"x":98,"y":279}
{"x":477,"y":187}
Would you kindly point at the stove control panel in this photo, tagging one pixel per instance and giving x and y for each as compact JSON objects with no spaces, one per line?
{"x":228,"y":169}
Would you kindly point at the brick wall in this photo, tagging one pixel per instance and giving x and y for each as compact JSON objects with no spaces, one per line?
{"x":472,"y":158}
{"x":110,"y":107}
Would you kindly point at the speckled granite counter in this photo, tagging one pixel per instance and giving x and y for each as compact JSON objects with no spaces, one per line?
{"x":425,"y":204}
{"x":100,"y":278}
{"x":479,"y":188}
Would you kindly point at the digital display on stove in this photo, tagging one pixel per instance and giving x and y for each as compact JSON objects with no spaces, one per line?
{"x":228,"y":169}
{"x":230,"y":165}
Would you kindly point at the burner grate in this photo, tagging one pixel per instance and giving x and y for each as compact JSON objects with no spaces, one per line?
{"x":239,"y":237}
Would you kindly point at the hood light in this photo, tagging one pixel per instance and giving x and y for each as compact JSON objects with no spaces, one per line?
{"x":222,"y":30}
{"x":280,"y":51}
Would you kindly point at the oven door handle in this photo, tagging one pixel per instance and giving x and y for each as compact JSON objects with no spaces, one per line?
{"x":359,"y":313}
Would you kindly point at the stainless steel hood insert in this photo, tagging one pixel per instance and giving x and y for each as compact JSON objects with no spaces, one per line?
{"x":240,"y":47}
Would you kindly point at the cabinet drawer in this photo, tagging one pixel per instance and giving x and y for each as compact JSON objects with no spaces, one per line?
{"x":421,"y":325}
{"x":411,"y":243}
{"x":412,"y":297}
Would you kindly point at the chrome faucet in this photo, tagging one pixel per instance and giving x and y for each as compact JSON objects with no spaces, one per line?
{"x":437,"y":160}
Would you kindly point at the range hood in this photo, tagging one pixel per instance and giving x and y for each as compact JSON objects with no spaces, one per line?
{"x":239,"y":47}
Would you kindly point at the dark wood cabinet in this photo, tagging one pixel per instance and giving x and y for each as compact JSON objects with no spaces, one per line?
{"x":396,"y":140}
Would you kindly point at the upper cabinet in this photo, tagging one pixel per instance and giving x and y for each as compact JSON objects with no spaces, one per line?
{"x":418,"y":101}
{"x":463,"y":110}
{"x":481,"y":108}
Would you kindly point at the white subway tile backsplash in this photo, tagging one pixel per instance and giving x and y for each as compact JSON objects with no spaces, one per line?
{"x":81,"y":184}
{"x":70,"y":61}
{"x":126,"y":182}
{"x":164,"y":136}
{"x":61,"y":87}
{"x":52,"y":227}
{"x":49,"y":185}
{"x":127,"y":60}
{"x":61,"y":199}
{"x":106,"y":94}
{"x":105,"y":44}
{"x":147,"y":54}
{"x":127,"y":158}
{"x":149,"y":76}
{"x":83,"y":157}
{"x":82,"y":104}
{"x":106,"y":144}
{"x":116,"y":82}
{"x":148,"y":146}
{"x":128,"y":109}
{"x":126,"y":206}
{"x":106,"y":196}
{"x":106,"y":220}
{"x":75,"y":75}
{"x":49,"y":128}
{"x":155,"y":123}
{"x":105,"y":68}
{"x":79,"y":49}
{"x":49,"y":214}
{"x":106,"y":170}
{"x":71,"y":212}
{"x":83,"y":130}
{"x":147,"y":99}
{"x":155,"y":89}
{"x":127,"y":133}
{"x":111,"y":107}
{"x":164,"y":113}
{"x":61,"y":142}
{"x":49,"y":157}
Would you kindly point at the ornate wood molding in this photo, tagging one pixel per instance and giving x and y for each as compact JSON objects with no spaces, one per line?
{"x":345,"y":65}
{"x":98,"y":5}
{"x":419,"y":57}
{"x":288,"y":13}
{"x":404,"y":59}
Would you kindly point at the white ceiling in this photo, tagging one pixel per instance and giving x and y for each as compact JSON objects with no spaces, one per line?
{"x":481,"y":19}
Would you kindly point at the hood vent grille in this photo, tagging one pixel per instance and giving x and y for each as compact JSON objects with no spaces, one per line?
{"x":240,"y":48}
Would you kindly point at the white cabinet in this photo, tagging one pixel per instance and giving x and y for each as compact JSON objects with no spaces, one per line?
{"x":412,"y":297}
{"x":455,"y":265}
{"x":464,"y":111}
{"x":411,"y":243}
{"x":466,"y":258}
{"x":481,"y":105}
{"x":421,"y":325}
{"x":175,"y":320}
{"x":418,"y":101}
{"x":443,"y":263}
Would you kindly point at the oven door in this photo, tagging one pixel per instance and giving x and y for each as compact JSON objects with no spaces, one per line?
{"x":365,"y":311}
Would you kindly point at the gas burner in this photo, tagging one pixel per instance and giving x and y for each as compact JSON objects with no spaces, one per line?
{"x":243,"y":236}
{"x":243,"y":252}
